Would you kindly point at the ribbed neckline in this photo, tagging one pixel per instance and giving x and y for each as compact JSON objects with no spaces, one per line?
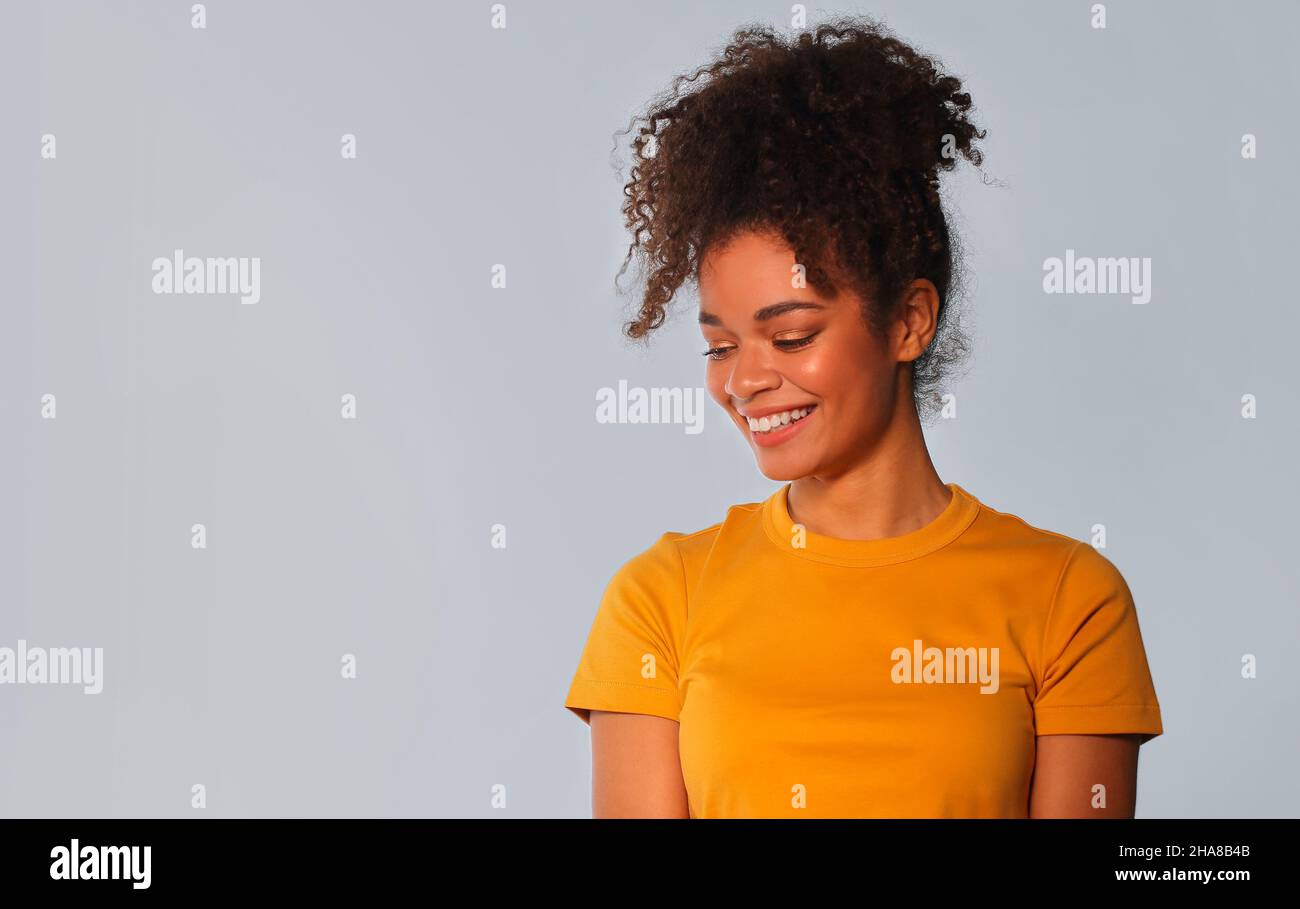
{"x":945,"y":528}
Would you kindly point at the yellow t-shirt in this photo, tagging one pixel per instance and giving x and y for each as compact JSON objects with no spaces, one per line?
{"x":814,"y":676}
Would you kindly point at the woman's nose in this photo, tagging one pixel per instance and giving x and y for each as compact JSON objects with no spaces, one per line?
{"x":750,"y":374}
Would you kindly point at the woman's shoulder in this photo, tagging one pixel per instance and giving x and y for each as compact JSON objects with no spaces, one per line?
{"x":685,"y":550}
{"x":1014,"y":535}
{"x":737,"y":517}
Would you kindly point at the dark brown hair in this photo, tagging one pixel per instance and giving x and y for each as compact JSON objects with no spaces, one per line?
{"x":832,"y":139}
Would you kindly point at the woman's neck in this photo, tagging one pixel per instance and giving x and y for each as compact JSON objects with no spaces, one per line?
{"x":895,"y":490}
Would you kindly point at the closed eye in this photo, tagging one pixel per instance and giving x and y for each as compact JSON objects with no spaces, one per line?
{"x":794,"y":343}
{"x":784,"y":343}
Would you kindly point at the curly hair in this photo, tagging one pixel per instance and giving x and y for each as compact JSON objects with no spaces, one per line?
{"x":832,"y":139}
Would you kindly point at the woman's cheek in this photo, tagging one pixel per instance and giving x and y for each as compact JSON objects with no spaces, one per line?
{"x":816,"y":373}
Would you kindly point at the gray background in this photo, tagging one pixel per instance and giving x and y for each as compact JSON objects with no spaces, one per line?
{"x":476,"y":406}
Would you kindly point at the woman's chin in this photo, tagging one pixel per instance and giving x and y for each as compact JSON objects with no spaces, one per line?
{"x":781,"y":469}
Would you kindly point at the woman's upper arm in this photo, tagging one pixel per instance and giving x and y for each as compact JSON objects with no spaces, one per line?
{"x":1068,"y":768}
{"x":635,"y":767}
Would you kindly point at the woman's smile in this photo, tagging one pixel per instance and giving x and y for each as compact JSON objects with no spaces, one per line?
{"x":779,"y":428}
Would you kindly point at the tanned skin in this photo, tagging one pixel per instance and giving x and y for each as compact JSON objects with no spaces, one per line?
{"x":867,"y":448}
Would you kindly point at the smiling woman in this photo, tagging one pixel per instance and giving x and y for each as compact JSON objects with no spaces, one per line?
{"x":750,"y":668}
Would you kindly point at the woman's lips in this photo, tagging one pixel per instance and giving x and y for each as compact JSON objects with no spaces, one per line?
{"x":784,"y":434}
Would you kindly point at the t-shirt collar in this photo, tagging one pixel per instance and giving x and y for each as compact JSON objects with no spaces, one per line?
{"x":946,"y":527}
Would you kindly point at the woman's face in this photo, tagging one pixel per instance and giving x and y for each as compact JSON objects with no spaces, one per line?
{"x":777,"y":347}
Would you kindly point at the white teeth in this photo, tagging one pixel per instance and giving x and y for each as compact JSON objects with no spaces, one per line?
{"x":777,"y":420}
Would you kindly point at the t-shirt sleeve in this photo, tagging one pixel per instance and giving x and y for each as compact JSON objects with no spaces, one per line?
{"x":1095,"y":677}
{"x":630,"y":661}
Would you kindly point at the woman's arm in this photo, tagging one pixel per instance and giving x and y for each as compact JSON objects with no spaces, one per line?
{"x":1067,"y":767}
{"x":635,"y":767}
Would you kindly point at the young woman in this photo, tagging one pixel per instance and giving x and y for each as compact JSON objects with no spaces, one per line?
{"x":868,"y":641}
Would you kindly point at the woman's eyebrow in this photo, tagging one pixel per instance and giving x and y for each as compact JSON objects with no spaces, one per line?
{"x":767,"y":312}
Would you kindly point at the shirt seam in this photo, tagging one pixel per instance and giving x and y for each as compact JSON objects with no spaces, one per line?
{"x":686,"y":612}
{"x":1051,"y":610}
{"x":628,"y":685}
{"x":1097,"y":706}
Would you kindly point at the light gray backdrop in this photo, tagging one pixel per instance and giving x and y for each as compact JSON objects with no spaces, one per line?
{"x":476,"y":405}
